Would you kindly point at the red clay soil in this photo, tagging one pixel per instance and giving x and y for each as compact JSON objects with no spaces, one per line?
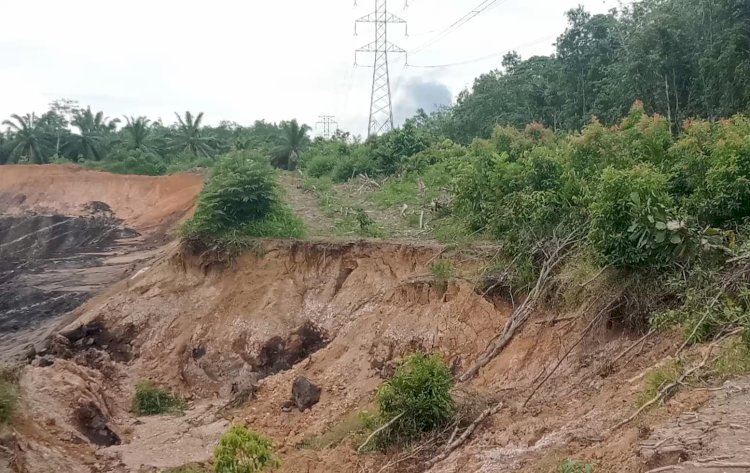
{"x":144,"y":203}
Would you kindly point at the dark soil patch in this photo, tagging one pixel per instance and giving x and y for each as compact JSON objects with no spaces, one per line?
{"x":93,"y":424}
{"x":280,"y":354}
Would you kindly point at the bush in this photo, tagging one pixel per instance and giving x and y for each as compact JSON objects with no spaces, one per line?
{"x":419,"y":394}
{"x":239,"y":191}
{"x":576,"y":466}
{"x":150,"y":400}
{"x":136,"y":162}
{"x":243,"y":451}
{"x":8,"y":394}
{"x":632,"y":221}
{"x":320,"y":165}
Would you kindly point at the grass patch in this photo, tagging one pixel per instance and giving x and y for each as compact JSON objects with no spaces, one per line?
{"x":151,"y":400}
{"x":575,"y":466}
{"x":442,"y":271}
{"x":354,"y":425}
{"x":190,"y":468}
{"x":243,"y":451}
{"x":8,"y":394}
{"x":734,"y":360}
{"x":657,"y":379}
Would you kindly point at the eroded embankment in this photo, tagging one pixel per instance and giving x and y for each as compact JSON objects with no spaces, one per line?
{"x":233,"y":341}
{"x":67,"y":233}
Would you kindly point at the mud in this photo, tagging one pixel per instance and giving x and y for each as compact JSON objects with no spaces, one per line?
{"x":51,"y":264}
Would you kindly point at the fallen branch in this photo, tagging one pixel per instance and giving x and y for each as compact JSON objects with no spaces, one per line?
{"x":585,"y":332}
{"x":682,"y":466}
{"x":467,"y":433}
{"x":378,"y":430}
{"x":664,"y":390}
{"x":521,"y":314}
{"x":631,"y":347}
{"x":596,"y":276}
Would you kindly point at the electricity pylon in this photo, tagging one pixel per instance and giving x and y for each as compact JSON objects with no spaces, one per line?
{"x":381,"y":107}
{"x":326,"y":121}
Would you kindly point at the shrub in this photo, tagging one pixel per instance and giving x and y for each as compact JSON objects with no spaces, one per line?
{"x":320,"y":165}
{"x":575,"y":466}
{"x":632,"y":222}
{"x":8,"y":394}
{"x":239,"y":191}
{"x":243,"y":451}
{"x":442,"y":271}
{"x":418,"y":397}
{"x":150,"y":400}
{"x":130,"y":162}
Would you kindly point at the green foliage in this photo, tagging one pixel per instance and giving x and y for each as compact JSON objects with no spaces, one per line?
{"x":632,"y":223}
{"x":657,"y":379}
{"x":442,"y":270}
{"x":575,"y":466}
{"x":243,"y":451}
{"x":151,"y":400}
{"x":418,"y":397}
{"x":8,"y":394}
{"x":734,"y":360}
{"x":136,"y":161}
{"x":240,"y":191}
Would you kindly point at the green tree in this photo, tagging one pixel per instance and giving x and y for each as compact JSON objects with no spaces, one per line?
{"x":27,"y":140}
{"x":190,"y":137}
{"x":92,"y":132}
{"x":138,"y":133}
{"x":294,"y":139}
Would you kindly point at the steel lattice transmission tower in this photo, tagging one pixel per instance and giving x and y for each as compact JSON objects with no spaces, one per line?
{"x":381,"y":107}
{"x":326,"y":122}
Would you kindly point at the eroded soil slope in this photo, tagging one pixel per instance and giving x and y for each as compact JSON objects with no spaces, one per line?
{"x":67,"y":233}
{"x":233,"y":340}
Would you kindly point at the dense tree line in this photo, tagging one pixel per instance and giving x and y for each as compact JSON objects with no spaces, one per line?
{"x":69,"y":132}
{"x":682,"y":58}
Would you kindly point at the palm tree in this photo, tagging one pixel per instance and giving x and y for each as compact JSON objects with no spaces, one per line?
{"x":93,"y":128}
{"x":293,"y":141}
{"x":27,"y":139}
{"x":190,"y":138}
{"x":138,"y":133}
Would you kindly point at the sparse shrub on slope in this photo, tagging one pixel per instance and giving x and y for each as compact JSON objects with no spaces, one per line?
{"x":575,"y":466}
{"x":151,"y":400}
{"x":134,"y":161}
{"x":418,"y":397}
{"x":243,"y":451}
{"x":8,"y":394}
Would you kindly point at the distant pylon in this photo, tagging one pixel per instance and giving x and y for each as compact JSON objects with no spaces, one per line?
{"x":381,"y":107}
{"x":326,"y":121}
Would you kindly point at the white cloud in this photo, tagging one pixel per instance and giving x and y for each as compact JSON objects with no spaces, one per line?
{"x":246,"y":60}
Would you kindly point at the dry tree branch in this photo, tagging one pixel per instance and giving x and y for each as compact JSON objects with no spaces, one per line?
{"x":585,"y":332}
{"x":631,"y":347}
{"x":378,"y":430}
{"x":464,"y":436}
{"x":520,"y":315}
{"x":666,"y":389}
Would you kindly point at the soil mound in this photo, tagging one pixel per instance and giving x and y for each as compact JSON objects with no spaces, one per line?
{"x":144,"y":203}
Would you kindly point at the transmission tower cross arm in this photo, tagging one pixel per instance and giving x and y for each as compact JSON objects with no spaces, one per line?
{"x":375,"y":17}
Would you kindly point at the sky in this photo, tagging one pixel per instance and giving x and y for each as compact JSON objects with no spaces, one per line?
{"x":246,"y":60}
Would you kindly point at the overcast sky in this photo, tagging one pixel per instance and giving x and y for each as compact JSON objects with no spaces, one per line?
{"x":244,"y":60}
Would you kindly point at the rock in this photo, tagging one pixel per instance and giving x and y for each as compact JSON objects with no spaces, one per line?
{"x":305,"y":394}
{"x":287,"y":406}
{"x":44,"y":361}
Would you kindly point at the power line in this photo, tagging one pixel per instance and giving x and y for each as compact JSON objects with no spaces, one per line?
{"x":480,"y":59}
{"x":476,"y":11}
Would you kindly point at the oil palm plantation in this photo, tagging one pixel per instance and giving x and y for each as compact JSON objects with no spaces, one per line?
{"x":27,"y":139}
{"x":138,"y":133}
{"x":293,"y":141}
{"x":93,"y":130}
{"x":189,"y":137}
